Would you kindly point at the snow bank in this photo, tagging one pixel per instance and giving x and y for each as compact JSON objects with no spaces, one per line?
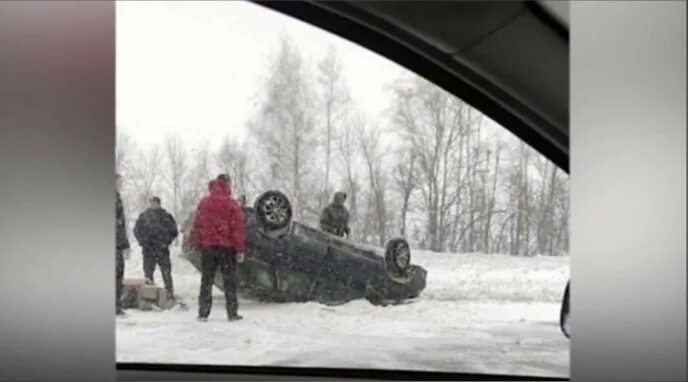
{"x":479,"y":313}
{"x":451,"y":277}
{"x":481,"y":277}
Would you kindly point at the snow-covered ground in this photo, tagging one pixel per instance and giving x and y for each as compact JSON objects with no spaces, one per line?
{"x":479,"y":313}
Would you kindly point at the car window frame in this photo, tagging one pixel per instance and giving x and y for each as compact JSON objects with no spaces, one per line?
{"x":453,"y":77}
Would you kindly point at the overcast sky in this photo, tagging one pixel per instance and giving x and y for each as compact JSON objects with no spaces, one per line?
{"x":195,"y":67}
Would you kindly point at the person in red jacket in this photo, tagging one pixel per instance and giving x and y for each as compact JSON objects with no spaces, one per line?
{"x":219,"y":232}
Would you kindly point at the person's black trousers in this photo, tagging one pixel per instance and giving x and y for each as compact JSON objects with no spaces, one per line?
{"x":212,"y":259}
{"x":119,"y":279}
{"x":157,"y":255}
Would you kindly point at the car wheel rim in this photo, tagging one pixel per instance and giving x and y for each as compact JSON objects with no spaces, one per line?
{"x":275,"y":209}
{"x":403,"y":255}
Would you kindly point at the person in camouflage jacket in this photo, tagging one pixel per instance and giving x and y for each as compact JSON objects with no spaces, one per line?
{"x":335,"y":217}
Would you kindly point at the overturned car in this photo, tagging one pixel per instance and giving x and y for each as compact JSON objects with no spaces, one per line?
{"x":287,"y":261}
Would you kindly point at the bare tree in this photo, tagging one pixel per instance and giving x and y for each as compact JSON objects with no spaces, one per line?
{"x":519,"y":196}
{"x":551,"y":209}
{"x":453,"y":185}
{"x":372,"y":155}
{"x":285,"y":125}
{"x":335,"y":96}
{"x":146,"y":175}
{"x":232,"y":159}
{"x":346,"y":142}
{"x":126,"y":164}
{"x":200,"y":173}
{"x":124,"y":151}
{"x":404,"y":180}
{"x":492,"y":195}
{"x":176,"y":171}
{"x":562,"y":237}
{"x":430,"y":122}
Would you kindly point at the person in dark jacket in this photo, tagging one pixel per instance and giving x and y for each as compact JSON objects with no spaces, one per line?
{"x":335,"y":217}
{"x":121,"y":245}
{"x":218,"y":231}
{"x":155,"y":230}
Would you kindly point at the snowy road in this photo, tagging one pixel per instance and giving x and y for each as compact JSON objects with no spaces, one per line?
{"x":479,"y":313}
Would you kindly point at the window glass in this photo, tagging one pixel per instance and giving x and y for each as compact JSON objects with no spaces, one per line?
{"x":386,"y":223}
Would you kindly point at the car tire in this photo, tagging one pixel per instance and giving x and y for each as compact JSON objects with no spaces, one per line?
{"x":398,"y":256}
{"x":273,"y":211}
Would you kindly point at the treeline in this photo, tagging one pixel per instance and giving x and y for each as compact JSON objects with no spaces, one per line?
{"x":432,"y":168}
